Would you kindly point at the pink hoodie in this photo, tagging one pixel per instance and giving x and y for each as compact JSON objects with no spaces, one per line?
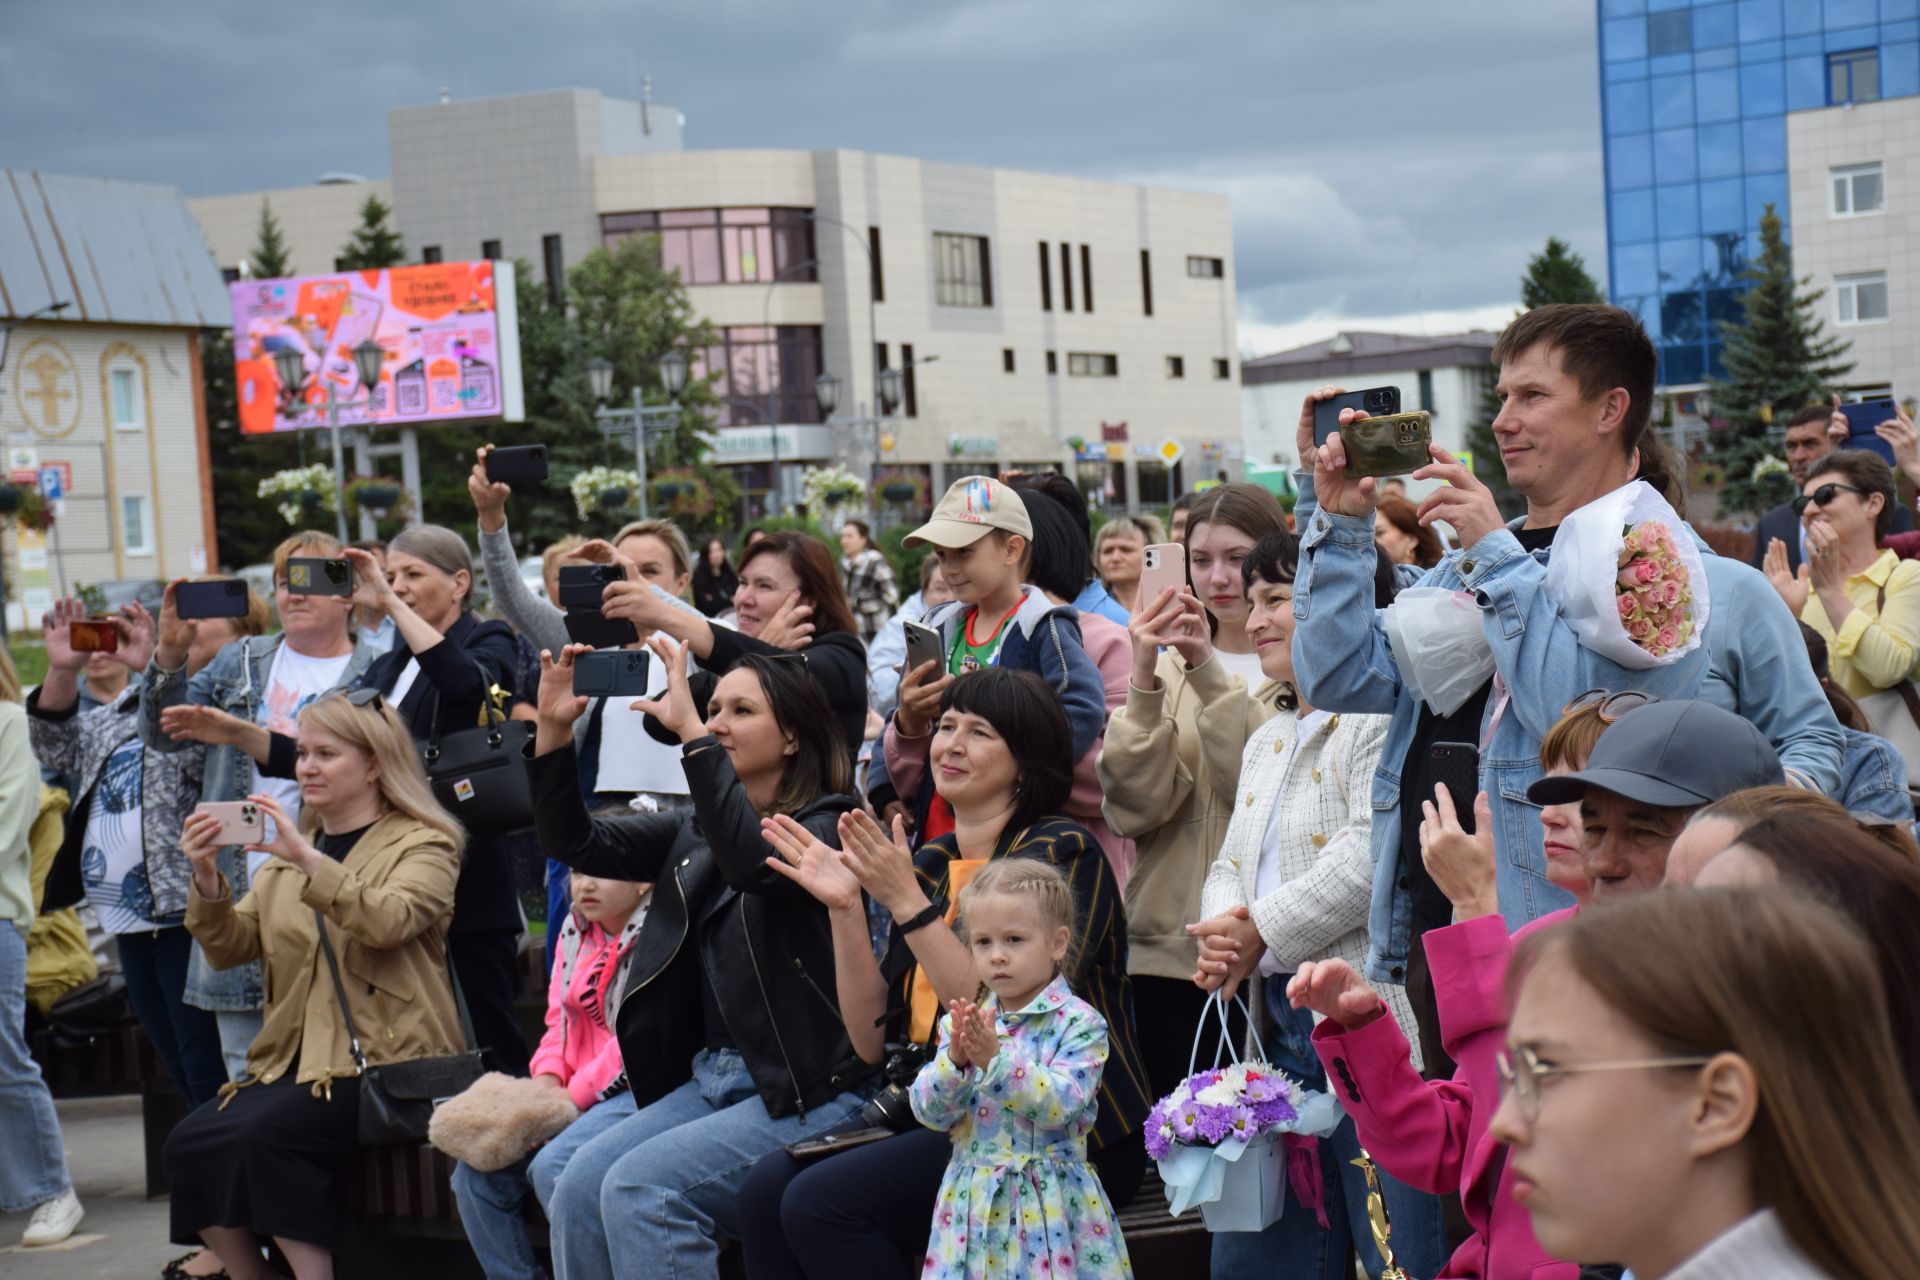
{"x":579,"y":1045}
{"x":1433,"y":1135}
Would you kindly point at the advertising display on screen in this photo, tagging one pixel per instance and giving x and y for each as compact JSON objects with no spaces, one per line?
{"x":447,"y":330}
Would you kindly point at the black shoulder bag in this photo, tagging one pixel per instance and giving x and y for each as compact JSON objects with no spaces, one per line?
{"x":396,"y":1098}
{"x":479,"y":775}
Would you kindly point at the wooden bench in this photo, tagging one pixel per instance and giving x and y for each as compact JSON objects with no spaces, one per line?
{"x":113,"y":1064}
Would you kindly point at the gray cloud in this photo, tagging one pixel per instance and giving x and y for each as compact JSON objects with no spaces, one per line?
{"x":1385,"y":157}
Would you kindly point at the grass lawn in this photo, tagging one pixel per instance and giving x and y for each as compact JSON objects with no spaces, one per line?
{"x":29,"y":659}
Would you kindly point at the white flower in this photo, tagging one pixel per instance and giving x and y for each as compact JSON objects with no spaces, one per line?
{"x":1220,"y":1094}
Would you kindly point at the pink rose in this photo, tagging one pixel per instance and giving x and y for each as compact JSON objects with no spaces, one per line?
{"x":1670,"y":592}
{"x":1647,"y":570}
{"x":1640,"y":628}
{"x":1627,"y":606}
{"x":1668,"y":639}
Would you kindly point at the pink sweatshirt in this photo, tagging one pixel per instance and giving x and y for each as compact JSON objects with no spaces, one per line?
{"x":1433,"y":1135}
{"x":579,"y":1045}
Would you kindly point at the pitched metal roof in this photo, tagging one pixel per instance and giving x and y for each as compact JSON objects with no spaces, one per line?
{"x":120,"y":252}
{"x":1357,"y":351}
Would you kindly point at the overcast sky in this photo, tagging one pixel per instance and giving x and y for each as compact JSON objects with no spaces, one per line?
{"x":1392,"y":163}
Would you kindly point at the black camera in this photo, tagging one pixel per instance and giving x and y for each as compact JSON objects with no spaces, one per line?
{"x":891,"y":1108}
{"x":1382,"y":400}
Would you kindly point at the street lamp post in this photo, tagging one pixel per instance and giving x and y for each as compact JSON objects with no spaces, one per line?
{"x":291,"y":366}
{"x":641,"y":419}
{"x":891,"y":389}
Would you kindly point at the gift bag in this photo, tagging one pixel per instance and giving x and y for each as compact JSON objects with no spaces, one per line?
{"x":1437,"y":643}
{"x":1629,"y":579}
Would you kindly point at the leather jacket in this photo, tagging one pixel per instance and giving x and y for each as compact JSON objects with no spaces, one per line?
{"x":765,"y":944}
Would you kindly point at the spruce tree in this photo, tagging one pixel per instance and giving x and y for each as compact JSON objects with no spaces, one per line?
{"x":1777,"y":360}
{"x":374,"y":243}
{"x":272,"y":259}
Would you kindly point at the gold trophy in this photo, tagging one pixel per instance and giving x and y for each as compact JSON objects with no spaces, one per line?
{"x":1377,"y":1219}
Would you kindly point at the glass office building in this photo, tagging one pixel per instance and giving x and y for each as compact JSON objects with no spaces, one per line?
{"x":1694,"y":99}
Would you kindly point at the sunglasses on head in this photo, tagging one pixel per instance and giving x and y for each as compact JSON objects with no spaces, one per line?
{"x":360,"y":697}
{"x":1612,"y":705}
{"x":1823,"y":496}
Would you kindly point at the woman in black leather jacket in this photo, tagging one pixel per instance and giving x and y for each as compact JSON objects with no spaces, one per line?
{"x":732,"y":981}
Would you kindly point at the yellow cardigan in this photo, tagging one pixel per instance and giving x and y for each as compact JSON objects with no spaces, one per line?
{"x":1873,"y":649}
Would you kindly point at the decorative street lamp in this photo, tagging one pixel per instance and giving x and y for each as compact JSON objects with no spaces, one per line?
{"x":290,"y":365}
{"x":826,"y":389}
{"x":641,"y":419}
{"x":892,"y":389}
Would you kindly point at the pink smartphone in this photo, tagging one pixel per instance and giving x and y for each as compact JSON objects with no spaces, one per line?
{"x":240,"y":820}
{"x":1162,"y":565}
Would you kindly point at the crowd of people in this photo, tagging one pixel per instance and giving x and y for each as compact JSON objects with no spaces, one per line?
{"x":874,"y":958}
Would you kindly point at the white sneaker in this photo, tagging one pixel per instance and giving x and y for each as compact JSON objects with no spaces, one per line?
{"x":54,"y":1221}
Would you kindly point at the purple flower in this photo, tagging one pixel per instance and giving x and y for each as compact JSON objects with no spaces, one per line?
{"x":1214,"y":1122}
{"x":1241,"y":1122}
{"x":1186,"y":1123}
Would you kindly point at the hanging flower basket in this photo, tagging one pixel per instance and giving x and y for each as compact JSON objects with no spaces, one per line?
{"x":832,"y":487}
{"x":28,"y":508}
{"x":377,"y":496}
{"x":602,"y":489}
{"x":613,"y":499}
{"x":905,"y":488}
{"x":301,"y":494}
{"x":683,"y":494}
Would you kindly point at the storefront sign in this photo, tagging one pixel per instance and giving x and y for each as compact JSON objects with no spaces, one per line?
{"x":755,"y":444}
{"x":973,"y":446}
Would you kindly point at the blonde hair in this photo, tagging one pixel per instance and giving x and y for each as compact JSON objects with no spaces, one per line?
{"x":1039,"y":884}
{"x":10,"y":690}
{"x":669,"y":533}
{"x":307,"y":542}
{"x":1148,"y":527}
{"x":558,"y":551}
{"x":379,"y":731}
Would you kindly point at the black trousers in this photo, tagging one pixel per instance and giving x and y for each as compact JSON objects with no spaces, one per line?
{"x":487,"y":964}
{"x":869,"y":1212}
{"x":1166,"y":1013}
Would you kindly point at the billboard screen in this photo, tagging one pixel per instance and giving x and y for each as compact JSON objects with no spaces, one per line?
{"x":448,"y":331}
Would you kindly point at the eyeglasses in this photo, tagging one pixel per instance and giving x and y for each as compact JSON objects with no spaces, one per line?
{"x":1612,"y":705}
{"x":359,"y":697}
{"x":1823,"y":496}
{"x":1521,"y":1074}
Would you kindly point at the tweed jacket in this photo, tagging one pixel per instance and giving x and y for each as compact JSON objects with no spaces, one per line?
{"x":1322,"y":839}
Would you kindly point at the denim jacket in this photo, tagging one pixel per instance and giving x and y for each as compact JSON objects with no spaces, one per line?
{"x":1751,"y":662}
{"x":1874,"y":779}
{"x":234,"y":682}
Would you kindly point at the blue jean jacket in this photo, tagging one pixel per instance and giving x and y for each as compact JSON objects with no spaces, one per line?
{"x":1874,"y":779}
{"x":1751,"y":661}
{"x":234,"y":681}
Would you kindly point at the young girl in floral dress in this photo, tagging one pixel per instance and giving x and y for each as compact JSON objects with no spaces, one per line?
{"x":1015,"y":1082}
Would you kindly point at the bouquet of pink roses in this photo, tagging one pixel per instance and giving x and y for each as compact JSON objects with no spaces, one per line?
{"x":1655,"y":590}
{"x":1629,"y":578}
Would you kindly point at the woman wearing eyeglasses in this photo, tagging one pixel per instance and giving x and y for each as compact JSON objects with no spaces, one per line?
{"x":372,"y":860}
{"x":1701,"y":1084}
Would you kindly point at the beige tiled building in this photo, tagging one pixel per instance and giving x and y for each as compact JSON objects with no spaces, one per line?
{"x":1041,"y":320}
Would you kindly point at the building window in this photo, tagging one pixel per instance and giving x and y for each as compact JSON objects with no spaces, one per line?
{"x":962,"y":270}
{"x":1066,"y":276}
{"x":136,"y":524}
{"x":1006,"y":359}
{"x":1086,"y":278}
{"x":1861,"y":299}
{"x":556,"y":270}
{"x":1176,"y":366}
{"x":1858,"y":189}
{"x":879,"y":265}
{"x":1853,"y":77}
{"x":1053,"y":362}
{"x":430,"y":253}
{"x":761,"y":370}
{"x":1085,"y":364}
{"x":1206,"y":268}
{"x":490,"y":250}
{"x":123,"y":389}
{"x":1670,"y":32}
{"x":909,"y":389}
{"x":1222,"y":370}
{"x":1146,"y":282}
{"x":1426,"y":389}
{"x":755,"y":245}
{"x":1046,"y":279}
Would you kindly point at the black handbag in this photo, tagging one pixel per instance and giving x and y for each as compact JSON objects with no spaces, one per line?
{"x":397,"y":1098}
{"x":479,"y":775}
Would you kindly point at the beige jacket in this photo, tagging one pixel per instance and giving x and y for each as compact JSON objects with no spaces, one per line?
{"x":387,"y":907}
{"x":1169,"y":766}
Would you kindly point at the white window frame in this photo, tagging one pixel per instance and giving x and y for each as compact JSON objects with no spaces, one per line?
{"x":1092,"y":364}
{"x":136,"y":400}
{"x":1841,"y":178}
{"x":145,"y":549}
{"x":1846,"y":294}
{"x":1206,"y":267}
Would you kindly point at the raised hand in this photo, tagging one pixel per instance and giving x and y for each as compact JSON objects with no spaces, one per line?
{"x":1230,"y":948}
{"x":287,"y":844}
{"x":489,"y":499}
{"x":1462,"y":502}
{"x":791,"y":626}
{"x":176,"y":634}
{"x":1792,"y":588}
{"x":556,"y":705}
{"x":1904,"y":439}
{"x":960,"y":1011}
{"x":1333,"y":990}
{"x":199,"y":841}
{"x":982,"y":1039}
{"x":1838,"y":428}
{"x":1824,"y":563}
{"x":54,"y":632}
{"x":883,"y":865}
{"x":920,"y":692}
{"x":673,"y":708}
{"x":810,"y":862}
{"x":189,"y":722}
{"x":370,"y":586}
{"x":1333,"y":488}
{"x":136,"y":627}
{"x":1461,"y":865}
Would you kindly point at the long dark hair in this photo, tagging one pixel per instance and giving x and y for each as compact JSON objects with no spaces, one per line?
{"x":819,"y":578}
{"x":1025,"y":711}
{"x":1058,"y":561}
{"x":819,"y":765}
{"x":704,"y":574}
{"x":1845,"y":709}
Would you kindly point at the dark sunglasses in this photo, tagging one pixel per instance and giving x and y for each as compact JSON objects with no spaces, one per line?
{"x":1612,"y":705}
{"x":1823,"y":495}
{"x":359,"y":697}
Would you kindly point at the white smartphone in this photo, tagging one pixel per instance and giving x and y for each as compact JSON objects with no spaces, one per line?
{"x":923,"y":646}
{"x":240,"y":820}
{"x":1162,"y":565}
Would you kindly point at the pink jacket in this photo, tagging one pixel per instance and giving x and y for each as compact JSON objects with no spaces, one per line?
{"x":579,"y":1046}
{"x":1110,"y":649}
{"x":1433,"y":1135}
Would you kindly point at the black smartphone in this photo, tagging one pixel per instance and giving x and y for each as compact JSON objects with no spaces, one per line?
{"x":1374,"y":400}
{"x":517,"y":463}
{"x":611,"y":673}
{"x":581,"y":585}
{"x":1861,"y":419}
{"x":221,"y":598}
{"x":1456,"y":766}
{"x":590,"y":626}
{"x":315,"y":576}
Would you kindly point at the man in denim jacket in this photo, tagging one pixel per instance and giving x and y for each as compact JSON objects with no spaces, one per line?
{"x":1576,"y":384}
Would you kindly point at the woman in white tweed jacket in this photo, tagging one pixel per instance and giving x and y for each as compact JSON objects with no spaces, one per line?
{"x":1291,"y":883}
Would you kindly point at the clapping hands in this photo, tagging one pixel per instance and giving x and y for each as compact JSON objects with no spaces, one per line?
{"x":975,"y":1040}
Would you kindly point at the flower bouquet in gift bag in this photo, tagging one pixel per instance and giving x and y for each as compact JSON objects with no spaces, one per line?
{"x":1629,"y":579}
{"x":1218,"y":1137}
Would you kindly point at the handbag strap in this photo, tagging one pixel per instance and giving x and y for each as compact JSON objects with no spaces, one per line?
{"x":490,"y":715}
{"x":346,"y":1012}
{"x":1907,"y":694}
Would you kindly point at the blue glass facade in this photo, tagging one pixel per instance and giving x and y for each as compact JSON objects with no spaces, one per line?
{"x":1693,"y":104}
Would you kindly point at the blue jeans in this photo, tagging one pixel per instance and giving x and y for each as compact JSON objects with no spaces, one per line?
{"x":238,"y":1028}
{"x":648,"y":1192}
{"x":187,"y":1039}
{"x":492,"y":1209}
{"x":33,"y":1164}
{"x":1297,"y":1247}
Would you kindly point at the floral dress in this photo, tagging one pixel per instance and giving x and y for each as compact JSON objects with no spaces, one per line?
{"x":1019,"y":1198}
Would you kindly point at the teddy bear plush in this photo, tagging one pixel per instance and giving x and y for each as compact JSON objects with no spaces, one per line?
{"x":499,"y":1119}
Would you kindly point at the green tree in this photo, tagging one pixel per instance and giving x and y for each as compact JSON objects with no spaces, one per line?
{"x":1777,"y":358}
{"x":374,"y":243}
{"x":271,"y":259}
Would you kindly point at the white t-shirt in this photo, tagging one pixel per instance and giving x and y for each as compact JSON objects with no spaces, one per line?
{"x":1244,"y":665}
{"x":403,"y":683}
{"x":294,"y":681}
{"x":113,"y":860}
{"x":631,"y":759}
{"x":1267,"y":878}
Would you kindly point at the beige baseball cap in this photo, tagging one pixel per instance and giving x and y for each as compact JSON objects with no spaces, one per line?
{"x":973,"y":505}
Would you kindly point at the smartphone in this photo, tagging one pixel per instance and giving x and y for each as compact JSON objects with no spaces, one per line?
{"x":611,"y":673}
{"x":517,"y":464}
{"x":93,"y":635}
{"x":590,"y":626}
{"x":240,"y":820}
{"x":1862,"y":418}
{"x":1162,"y":565}
{"x":317,"y":576}
{"x":1456,"y":766}
{"x":1375,"y":401}
{"x":581,"y":585}
{"x":1394,"y":445}
{"x":923,"y":646}
{"x":221,"y":598}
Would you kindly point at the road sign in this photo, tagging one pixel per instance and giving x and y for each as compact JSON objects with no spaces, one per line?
{"x":52,"y":484}
{"x":1169,"y":450}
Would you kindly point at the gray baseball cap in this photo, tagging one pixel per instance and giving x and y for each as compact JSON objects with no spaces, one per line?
{"x":1678,"y":755}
